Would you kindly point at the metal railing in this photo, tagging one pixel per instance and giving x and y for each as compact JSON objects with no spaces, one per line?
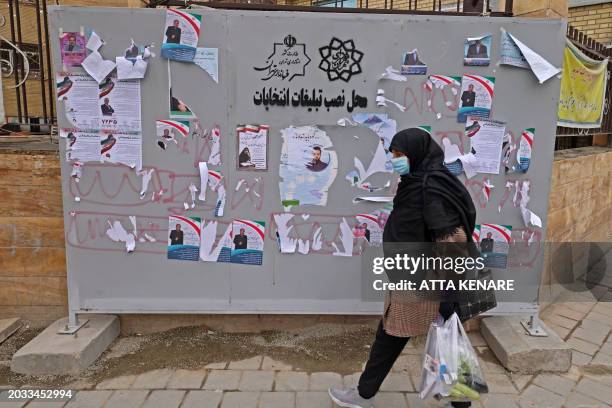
{"x":569,"y":138}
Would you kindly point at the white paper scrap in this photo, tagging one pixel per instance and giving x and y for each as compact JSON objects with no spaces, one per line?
{"x":287,"y":244}
{"x":203,"y":180}
{"x":146,"y":179}
{"x":346,"y":240}
{"x":317,"y":240}
{"x":97,"y":67}
{"x":303,"y":246}
{"x":208,"y":60}
{"x":357,"y":200}
{"x":393,"y":74}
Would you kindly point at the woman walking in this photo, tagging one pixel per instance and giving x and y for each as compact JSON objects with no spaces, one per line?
{"x":431,"y":205}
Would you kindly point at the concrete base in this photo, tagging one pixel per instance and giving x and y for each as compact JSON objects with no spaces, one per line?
{"x":8,"y":327}
{"x":50,"y":353}
{"x":521,"y":353}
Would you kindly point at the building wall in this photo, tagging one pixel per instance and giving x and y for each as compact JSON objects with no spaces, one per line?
{"x":32,"y":254}
{"x":594,"y":20}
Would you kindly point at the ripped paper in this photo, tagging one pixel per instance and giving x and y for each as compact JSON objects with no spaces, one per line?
{"x":523,"y":157}
{"x":94,"y":63}
{"x":514,"y":52}
{"x":208,"y":60}
{"x":346,"y":240}
{"x":393,"y":74}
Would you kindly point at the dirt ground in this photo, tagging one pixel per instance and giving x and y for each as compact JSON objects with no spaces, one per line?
{"x":324,"y":347}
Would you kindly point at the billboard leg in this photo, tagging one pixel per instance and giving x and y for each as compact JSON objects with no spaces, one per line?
{"x":533,"y":327}
{"x":74,"y":324}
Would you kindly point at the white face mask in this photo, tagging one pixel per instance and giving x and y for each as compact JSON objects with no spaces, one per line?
{"x":401,"y":165}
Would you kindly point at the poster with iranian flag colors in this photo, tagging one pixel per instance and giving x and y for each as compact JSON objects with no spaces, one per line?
{"x":523,"y":156}
{"x":247,"y":242}
{"x":184,"y":238}
{"x":476,"y":97}
{"x":181,"y":33}
{"x":494,"y":242}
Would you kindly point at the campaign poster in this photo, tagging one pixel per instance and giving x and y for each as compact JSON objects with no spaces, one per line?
{"x":72,"y":48}
{"x":486,"y":140}
{"x":523,"y":156}
{"x":412,"y":64}
{"x":81,"y":145}
{"x":477,"y":51}
{"x":252,"y":147}
{"x":184,"y":238}
{"x":308,"y":166}
{"x":494,"y":242}
{"x":119,"y":105}
{"x":79,"y":95}
{"x":367,"y":228}
{"x":476,"y":97}
{"x":247,"y":242}
{"x":181,"y":33}
{"x":121,"y":148}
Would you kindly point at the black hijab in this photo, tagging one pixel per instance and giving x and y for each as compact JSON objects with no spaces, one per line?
{"x":430,"y":201}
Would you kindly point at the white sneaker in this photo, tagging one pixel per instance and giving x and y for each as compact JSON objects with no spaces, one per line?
{"x":349,"y":398}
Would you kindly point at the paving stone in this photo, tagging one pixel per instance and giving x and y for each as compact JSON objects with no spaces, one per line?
{"x":498,"y":401}
{"x":202,"y":399}
{"x":271,"y":364}
{"x":595,"y":389}
{"x":154,"y":379}
{"x":561,"y":321}
{"x":476,"y":339}
{"x":573,"y":374}
{"x":414,"y":401}
{"x":13,"y":404}
{"x":606,"y":348}
{"x":397,"y":382}
{"x":253,"y":363}
{"x":500,"y":384}
{"x":410,"y":363}
{"x":313,"y":399}
{"x":323,"y":381}
{"x":561,"y":331}
{"x":216,"y":366}
{"x":46,"y":404}
{"x":602,"y":359}
{"x":256,"y":380}
{"x":390,"y":399}
{"x":565,"y":311}
{"x":222,"y":380}
{"x":351,"y":380}
{"x":580,"y":359}
{"x":291,"y":381}
{"x":604,"y":378}
{"x":240,"y":400}
{"x":555,"y":383}
{"x":591,"y":335}
{"x":127,"y":398}
{"x":277,"y":400}
{"x":164,"y":399}
{"x":186,"y":379}
{"x":577,"y":400}
{"x":88,"y":399}
{"x":599,"y":317}
{"x":537,"y":397}
{"x":118,"y":383}
{"x":603,"y":308}
{"x":582,"y":307}
{"x":582,"y":346}
{"x":520,"y":380}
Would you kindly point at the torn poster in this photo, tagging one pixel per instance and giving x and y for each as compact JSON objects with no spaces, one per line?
{"x":412,"y":64}
{"x":77,"y":171}
{"x":515,"y":53}
{"x":529,"y":217}
{"x":184,"y":238}
{"x":486,"y":138}
{"x":441,"y":81}
{"x":393,"y":74}
{"x":203,"y":168}
{"x":146,"y":179}
{"x":117,"y":233}
{"x":523,"y":156}
{"x":252,"y":147}
{"x":215,"y":184}
{"x":308,"y":166}
{"x":121,"y":147}
{"x":377,"y":164}
{"x":133,"y":65}
{"x":456,"y":162}
{"x":94,"y":63}
{"x":79,"y":95}
{"x":192,"y":191}
{"x":81,"y":145}
{"x":177,"y":108}
{"x":214,"y":139}
{"x":72,"y":46}
{"x":168,"y":130}
{"x":372,"y":199}
{"x":210,"y":252}
{"x":367,"y":227}
{"x":346,"y":240}
{"x":286,"y":244}
{"x":208,"y":60}
{"x":181,"y":33}
{"x":120,"y":105}
{"x":248,"y":242}
{"x":508,"y":146}
{"x":381,"y":101}
{"x":494,"y":242}
{"x":477,"y":51}
{"x":476,"y":97}
{"x":487,"y":187}
{"x":384,"y":127}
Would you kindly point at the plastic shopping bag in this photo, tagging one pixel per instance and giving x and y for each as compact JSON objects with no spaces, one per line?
{"x":450,"y":366}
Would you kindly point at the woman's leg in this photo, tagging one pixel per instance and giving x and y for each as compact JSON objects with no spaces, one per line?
{"x":384,"y":352}
{"x":461,"y":404}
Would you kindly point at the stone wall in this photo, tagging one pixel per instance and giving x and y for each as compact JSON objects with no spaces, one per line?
{"x":594,"y":20}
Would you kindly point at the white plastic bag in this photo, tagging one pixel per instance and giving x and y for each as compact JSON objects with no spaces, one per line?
{"x":450,"y":365}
